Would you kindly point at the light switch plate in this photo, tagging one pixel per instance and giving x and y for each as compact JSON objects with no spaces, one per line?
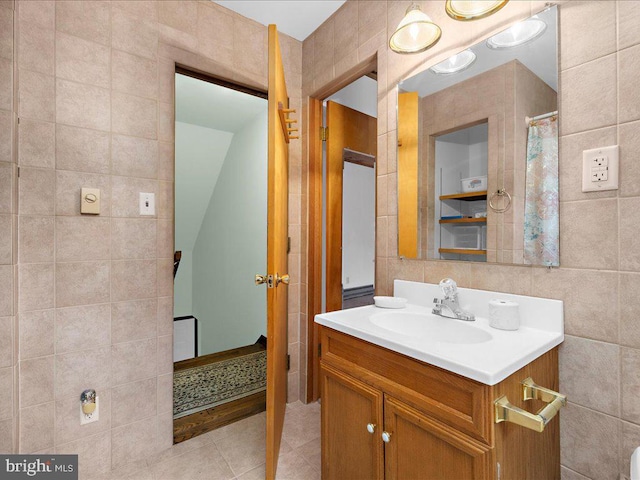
{"x":90,"y":201}
{"x":600,"y":169}
{"x":147,"y":203}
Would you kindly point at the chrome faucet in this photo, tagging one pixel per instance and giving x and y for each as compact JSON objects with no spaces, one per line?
{"x":448,"y":307}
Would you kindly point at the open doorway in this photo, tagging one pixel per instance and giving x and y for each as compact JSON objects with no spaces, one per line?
{"x":220,"y":242}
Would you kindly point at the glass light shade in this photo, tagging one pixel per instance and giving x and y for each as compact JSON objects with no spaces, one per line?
{"x":455,"y":63}
{"x":518,"y":34}
{"x":415,"y":33}
{"x":465,"y":10}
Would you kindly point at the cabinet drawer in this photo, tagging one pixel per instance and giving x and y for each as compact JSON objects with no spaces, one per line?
{"x":454,"y":400}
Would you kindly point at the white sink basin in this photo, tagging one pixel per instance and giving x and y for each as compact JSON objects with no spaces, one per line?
{"x":431,"y":327}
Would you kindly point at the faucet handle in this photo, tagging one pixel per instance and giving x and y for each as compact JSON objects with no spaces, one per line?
{"x":449,"y":287}
{"x":436,"y":300}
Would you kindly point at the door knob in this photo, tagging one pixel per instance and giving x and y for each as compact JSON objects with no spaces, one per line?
{"x":371,"y":427}
{"x":282,"y":279}
{"x":260,"y":279}
{"x":386,"y":437}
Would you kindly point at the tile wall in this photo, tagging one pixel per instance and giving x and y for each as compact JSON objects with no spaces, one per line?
{"x":94,"y":293}
{"x":600,"y":275}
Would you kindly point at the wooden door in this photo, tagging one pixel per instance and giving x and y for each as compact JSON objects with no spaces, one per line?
{"x":421,"y":447}
{"x":347,"y":128}
{"x":349,"y":450}
{"x":277,"y":235}
{"x":408,"y":175}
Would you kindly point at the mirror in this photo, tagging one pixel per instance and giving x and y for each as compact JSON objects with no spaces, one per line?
{"x":478,"y":151}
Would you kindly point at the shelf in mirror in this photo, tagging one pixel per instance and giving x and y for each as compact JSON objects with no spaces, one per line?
{"x":467,"y":197}
{"x":464,"y":220}
{"x":463,"y":251}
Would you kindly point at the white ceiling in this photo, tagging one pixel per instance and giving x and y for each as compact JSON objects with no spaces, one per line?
{"x":212,"y":106}
{"x":296,"y":18}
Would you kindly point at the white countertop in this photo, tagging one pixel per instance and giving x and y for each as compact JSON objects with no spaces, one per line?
{"x":488,"y":362}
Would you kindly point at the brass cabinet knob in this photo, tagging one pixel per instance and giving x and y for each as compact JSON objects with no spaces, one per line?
{"x":386,"y":437}
{"x":260,"y":279}
{"x":282,"y":279}
{"x":371,"y":427}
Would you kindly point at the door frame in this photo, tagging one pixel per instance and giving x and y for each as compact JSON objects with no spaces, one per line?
{"x":314,"y":247}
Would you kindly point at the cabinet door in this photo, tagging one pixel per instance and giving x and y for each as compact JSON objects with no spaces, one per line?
{"x":349,"y":450}
{"x":421,"y":448}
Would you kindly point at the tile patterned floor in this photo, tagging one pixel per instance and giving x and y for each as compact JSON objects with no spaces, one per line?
{"x":237,"y":452}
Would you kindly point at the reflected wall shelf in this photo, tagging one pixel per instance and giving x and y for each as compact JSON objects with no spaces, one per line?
{"x":462,"y":251}
{"x":464,"y":220}
{"x":467,"y":197}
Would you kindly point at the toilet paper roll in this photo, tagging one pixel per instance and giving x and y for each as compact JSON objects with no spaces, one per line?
{"x":504,"y":315}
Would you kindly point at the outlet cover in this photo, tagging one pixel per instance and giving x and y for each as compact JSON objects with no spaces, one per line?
{"x":600,"y":169}
{"x":93,"y":417}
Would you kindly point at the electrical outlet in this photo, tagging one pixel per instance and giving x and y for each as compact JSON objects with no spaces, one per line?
{"x":600,"y":169}
{"x":92,"y":417}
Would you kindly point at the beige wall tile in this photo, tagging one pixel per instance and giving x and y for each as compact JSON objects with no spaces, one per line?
{"x":6,"y":84}
{"x":126,"y":195}
{"x":165,"y":394}
{"x":36,"y":428}
{"x":592,"y":455}
{"x":630,"y":384}
{"x":249,"y":40}
{"x":571,"y":147}
{"x":134,"y":75}
{"x":133,"y":442}
{"x":346,"y":35}
{"x":134,"y":116}
{"x":165,"y":315}
{"x":6,"y":436}
{"x":628,"y":23}
{"x":630,"y":441}
{"x":82,"y":61}
{"x":629,"y":69}
{"x":629,"y":308}
{"x":165,"y":354}
{"x":6,"y":393}
{"x":37,"y":191}
{"x":89,"y":20}
{"x":586,"y":89}
{"x":134,"y":157}
{"x":7,"y":176}
{"x":131,"y":361}
{"x":42,"y":13}
{"x":133,"y":279}
{"x":581,"y":360}
{"x":36,"y":381}
{"x":79,"y":328}
{"x":182,"y":15}
{"x":134,"y":320}
{"x":36,"y":95}
{"x":82,"y":150}
{"x":134,"y":35}
{"x":35,"y":286}
{"x":37,"y":333}
{"x":133,"y":401}
{"x":590,"y":311}
{"x":94,"y":453}
{"x":6,"y":290}
{"x":78,"y":371}
{"x":6,"y":124}
{"x":178,"y":38}
{"x":82,"y":105}
{"x":165,"y":276}
{"x":6,"y":33}
{"x":36,"y":144}
{"x":82,"y":283}
{"x":568,"y":474}
{"x":35,"y":239}
{"x":68,"y":188}
{"x":589,"y":234}
{"x":629,"y":238}
{"x":629,"y":140}
{"x":129,"y":238}
{"x":215,"y":28}
{"x":36,"y":48}
{"x":165,"y":238}
{"x":6,"y":341}
{"x":166,"y":122}
{"x":166,"y":163}
{"x":67,"y":424}
{"x":82,"y":238}
{"x":577,"y":48}
{"x":145,"y":9}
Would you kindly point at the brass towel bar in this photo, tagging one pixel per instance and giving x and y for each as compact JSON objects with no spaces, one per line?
{"x":505,"y":412}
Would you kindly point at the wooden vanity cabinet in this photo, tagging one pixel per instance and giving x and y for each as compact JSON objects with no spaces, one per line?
{"x":440,"y":424}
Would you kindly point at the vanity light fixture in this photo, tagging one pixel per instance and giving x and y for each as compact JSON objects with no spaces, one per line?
{"x":455,"y":63}
{"x":465,"y":10}
{"x":416,"y":32}
{"x":518,"y":34}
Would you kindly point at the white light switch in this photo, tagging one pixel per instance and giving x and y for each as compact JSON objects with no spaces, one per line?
{"x":600,"y":169}
{"x":147,"y":203}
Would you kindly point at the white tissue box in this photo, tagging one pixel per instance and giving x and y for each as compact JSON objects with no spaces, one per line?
{"x":474,"y":184}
